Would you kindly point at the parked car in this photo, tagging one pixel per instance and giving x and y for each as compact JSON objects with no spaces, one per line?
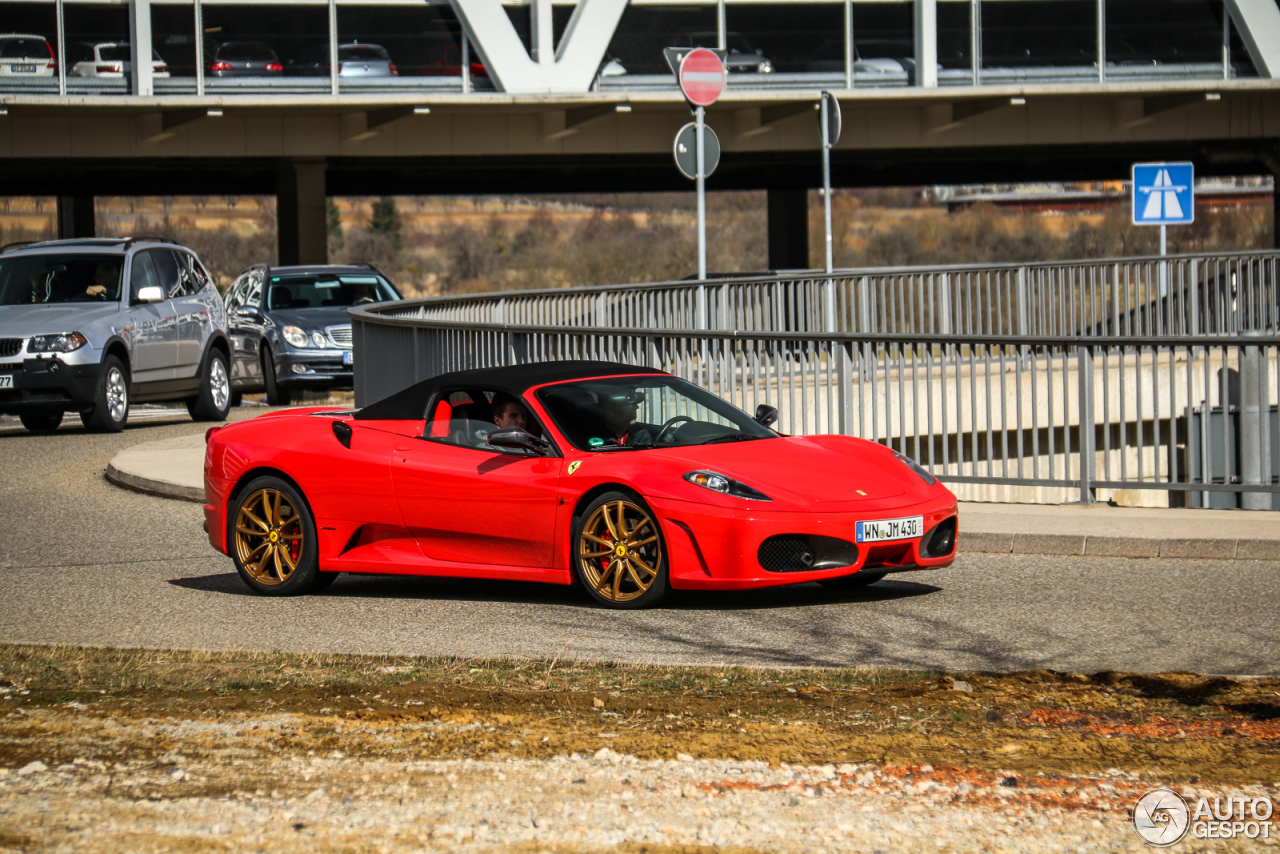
{"x":245,"y":59}
{"x":290,"y":329}
{"x":829,"y":57}
{"x":742,"y":58}
{"x":625,"y":480}
{"x":448,"y":63}
{"x":90,"y":326}
{"x":110,"y":60}
{"x":354,"y":60}
{"x":23,"y":55}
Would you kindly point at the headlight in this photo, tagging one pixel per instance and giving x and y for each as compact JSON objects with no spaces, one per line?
{"x":717,"y":482}
{"x":56,"y":343}
{"x":295,"y":336}
{"x":317,"y":338}
{"x":917,"y":468}
{"x":765,"y":67}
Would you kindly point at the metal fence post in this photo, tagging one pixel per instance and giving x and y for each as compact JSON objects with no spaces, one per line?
{"x":1084,"y":372}
{"x":61,"y":36}
{"x":1255,"y":423}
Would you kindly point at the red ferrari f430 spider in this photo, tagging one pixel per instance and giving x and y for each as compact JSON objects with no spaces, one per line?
{"x":626,"y":480}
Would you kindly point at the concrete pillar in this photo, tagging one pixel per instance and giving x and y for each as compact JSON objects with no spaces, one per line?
{"x":926,"y":32}
{"x":75,"y":217}
{"x":302,"y":236}
{"x":141,"y":78}
{"x":788,"y":229}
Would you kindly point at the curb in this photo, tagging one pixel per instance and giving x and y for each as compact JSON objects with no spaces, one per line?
{"x":146,"y":485}
{"x":1085,"y":546}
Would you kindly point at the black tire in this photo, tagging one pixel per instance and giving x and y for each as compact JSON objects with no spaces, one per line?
{"x":648,"y":555}
{"x":852,"y":582}
{"x":263,"y":562}
{"x":110,"y":410}
{"x":214,"y":400}
{"x":237,"y":397}
{"x":41,"y":420}
{"x":276,"y":395}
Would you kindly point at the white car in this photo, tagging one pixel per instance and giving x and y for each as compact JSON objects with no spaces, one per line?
{"x":25,"y":55}
{"x":110,"y":60}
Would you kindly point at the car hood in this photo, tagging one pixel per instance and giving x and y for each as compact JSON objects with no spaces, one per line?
{"x":23,"y":321}
{"x":312,"y":318}
{"x":800,"y":473}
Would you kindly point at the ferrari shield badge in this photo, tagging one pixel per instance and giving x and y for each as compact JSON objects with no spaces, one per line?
{"x":573,"y":466}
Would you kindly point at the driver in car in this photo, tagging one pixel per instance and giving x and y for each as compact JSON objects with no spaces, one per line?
{"x":509,"y":412}
{"x":617,"y":409}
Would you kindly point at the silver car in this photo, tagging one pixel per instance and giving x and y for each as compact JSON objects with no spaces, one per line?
{"x":355,"y":59}
{"x":92,"y":325}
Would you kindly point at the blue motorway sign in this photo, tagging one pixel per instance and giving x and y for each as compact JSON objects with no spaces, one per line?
{"x":1163,"y":193}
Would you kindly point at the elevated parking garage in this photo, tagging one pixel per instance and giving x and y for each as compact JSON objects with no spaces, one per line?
{"x":315,"y":99}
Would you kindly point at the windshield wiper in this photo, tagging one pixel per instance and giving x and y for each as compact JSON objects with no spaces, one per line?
{"x":637,"y":446}
{"x":731,"y":437}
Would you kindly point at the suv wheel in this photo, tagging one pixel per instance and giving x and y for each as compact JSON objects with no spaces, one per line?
{"x":41,"y":420}
{"x":214,"y":400}
{"x":111,"y":400}
{"x":276,"y":396}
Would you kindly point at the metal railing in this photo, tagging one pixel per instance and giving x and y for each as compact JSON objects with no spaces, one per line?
{"x":1036,"y":382}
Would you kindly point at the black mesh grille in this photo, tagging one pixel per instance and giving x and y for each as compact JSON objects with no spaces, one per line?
{"x":786,"y":553}
{"x":10,"y":346}
{"x":941,"y":541}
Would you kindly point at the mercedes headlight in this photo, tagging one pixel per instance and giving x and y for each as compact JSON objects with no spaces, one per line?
{"x":917,"y":468}
{"x":717,"y":482}
{"x":295,"y":336}
{"x":317,"y":338}
{"x":56,"y":343}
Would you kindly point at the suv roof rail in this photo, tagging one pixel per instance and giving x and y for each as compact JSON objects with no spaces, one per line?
{"x":150,"y":238}
{"x":18,"y":243}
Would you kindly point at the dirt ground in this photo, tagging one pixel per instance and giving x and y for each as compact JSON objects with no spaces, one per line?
{"x":1181,"y":726}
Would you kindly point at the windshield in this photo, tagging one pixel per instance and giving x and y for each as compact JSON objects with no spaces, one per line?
{"x":645,"y":412}
{"x":252,"y":51}
{"x":20,"y":48}
{"x":365,"y":52}
{"x":327,"y":291}
{"x":59,"y":278}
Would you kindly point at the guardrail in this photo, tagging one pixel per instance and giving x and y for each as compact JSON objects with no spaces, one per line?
{"x":1180,"y":403}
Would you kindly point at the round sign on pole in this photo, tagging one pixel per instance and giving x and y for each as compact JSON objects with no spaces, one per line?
{"x":686,"y":150}
{"x":701,"y":76}
{"x":833,"y":120}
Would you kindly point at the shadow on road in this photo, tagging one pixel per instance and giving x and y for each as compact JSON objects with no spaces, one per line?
{"x":352,"y":586}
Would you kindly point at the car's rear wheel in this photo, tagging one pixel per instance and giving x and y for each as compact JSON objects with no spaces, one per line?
{"x":110,"y":411}
{"x":276,"y":394}
{"x":214,"y":400}
{"x":273,"y":539}
{"x":41,"y":420}
{"x":852,"y":582}
{"x":618,"y":552}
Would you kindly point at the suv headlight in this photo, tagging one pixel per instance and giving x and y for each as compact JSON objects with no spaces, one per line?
{"x":917,"y":468}
{"x":717,"y":482}
{"x":64,"y":343}
{"x":317,"y":338}
{"x":295,"y":336}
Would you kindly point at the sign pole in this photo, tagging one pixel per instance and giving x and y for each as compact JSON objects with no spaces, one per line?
{"x":1164,"y":265}
{"x":702,"y":196}
{"x":826,"y":177}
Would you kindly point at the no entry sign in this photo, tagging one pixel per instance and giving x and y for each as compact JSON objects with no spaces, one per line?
{"x":702,"y":77}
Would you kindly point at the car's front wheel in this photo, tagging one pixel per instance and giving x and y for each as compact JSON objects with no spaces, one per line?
{"x":214,"y":400}
{"x":110,"y":410}
{"x":618,"y":552}
{"x":41,"y":420}
{"x":273,"y":539}
{"x":276,"y":394}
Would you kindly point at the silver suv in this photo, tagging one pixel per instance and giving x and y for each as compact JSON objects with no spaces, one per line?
{"x":92,"y":325}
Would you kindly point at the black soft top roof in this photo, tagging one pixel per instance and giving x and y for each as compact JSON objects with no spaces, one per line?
{"x":411,"y":403}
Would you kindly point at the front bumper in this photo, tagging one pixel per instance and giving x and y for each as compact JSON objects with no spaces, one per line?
{"x":48,"y":384}
{"x":321,"y":369}
{"x":713,"y":549}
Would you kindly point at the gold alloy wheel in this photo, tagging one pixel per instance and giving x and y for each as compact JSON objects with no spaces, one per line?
{"x":269,"y":537}
{"x":619,"y":551}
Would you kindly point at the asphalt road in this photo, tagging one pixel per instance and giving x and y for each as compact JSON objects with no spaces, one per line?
{"x":85,"y":562}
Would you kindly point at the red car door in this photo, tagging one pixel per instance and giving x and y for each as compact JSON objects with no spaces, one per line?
{"x":472,"y":505}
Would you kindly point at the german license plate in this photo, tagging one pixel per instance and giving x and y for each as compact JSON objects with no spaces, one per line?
{"x":6,"y":380}
{"x":884,"y":530}
{"x":346,"y":358}
{"x":30,"y":69}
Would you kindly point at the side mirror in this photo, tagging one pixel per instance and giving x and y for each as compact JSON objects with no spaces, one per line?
{"x":246,"y":311}
{"x":766,"y":415}
{"x":516,"y":439}
{"x":151,"y":293}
